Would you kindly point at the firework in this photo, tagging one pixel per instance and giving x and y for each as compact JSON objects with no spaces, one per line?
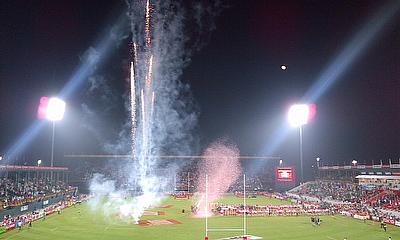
{"x":153,"y":97}
{"x":143,"y":117}
{"x":151,"y":116}
{"x":142,"y":100}
{"x":147,"y":24}
{"x":149,"y":75}
{"x":133,"y":109}
{"x":135,"y":55}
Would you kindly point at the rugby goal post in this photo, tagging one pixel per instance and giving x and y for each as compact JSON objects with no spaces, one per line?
{"x":243,"y":230}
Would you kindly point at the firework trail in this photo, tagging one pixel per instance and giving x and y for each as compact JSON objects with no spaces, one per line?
{"x":151,"y":115}
{"x":147,"y":25}
{"x":153,"y":98}
{"x":157,"y":127}
{"x":133,"y":109}
{"x":143,"y":103}
{"x":149,"y":102}
{"x":149,"y":75}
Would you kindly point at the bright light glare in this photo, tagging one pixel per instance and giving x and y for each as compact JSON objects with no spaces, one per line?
{"x":39,"y":162}
{"x":298,"y":115}
{"x":283,"y":67}
{"x":354,"y":162}
{"x":55,"y":109}
{"x":1,"y":158}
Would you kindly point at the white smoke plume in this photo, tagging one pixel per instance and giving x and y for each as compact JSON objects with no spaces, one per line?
{"x":166,"y":123}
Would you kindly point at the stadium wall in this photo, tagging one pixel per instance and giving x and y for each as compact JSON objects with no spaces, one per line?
{"x":30,"y":207}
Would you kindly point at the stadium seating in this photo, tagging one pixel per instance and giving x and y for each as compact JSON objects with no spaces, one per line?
{"x":18,"y":192}
{"x":352,"y":198}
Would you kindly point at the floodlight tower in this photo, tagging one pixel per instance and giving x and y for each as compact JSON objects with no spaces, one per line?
{"x":37,"y":171}
{"x":318,"y":159}
{"x":298,"y":116}
{"x":54,"y":112}
{"x":354,"y":162}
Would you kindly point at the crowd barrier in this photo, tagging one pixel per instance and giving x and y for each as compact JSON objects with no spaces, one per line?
{"x":19,"y":210}
{"x":47,"y":208}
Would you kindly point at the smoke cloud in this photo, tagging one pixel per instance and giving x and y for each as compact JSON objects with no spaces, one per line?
{"x":222,"y":167}
{"x":165,"y":115}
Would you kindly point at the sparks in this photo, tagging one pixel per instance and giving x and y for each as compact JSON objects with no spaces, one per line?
{"x":133,"y":110}
{"x":149,"y":75}
{"x":152,"y":107}
{"x":135,"y":54}
{"x":143,"y":116}
{"x":153,"y":96}
{"x":147,"y":24}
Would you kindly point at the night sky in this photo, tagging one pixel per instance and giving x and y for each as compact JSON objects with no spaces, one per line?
{"x":237,"y":84}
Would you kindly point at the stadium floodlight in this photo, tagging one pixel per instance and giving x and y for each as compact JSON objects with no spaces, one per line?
{"x":1,"y":158}
{"x":39,"y":162}
{"x":298,"y":115}
{"x":54,"y":112}
{"x":55,"y":109}
{"x":280,"y":162}
{"x":318,"y":159}
{"x":354,"y":162}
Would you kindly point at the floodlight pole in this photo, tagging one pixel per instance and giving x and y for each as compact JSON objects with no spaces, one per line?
{"x":206,"y":206}
{"x":244,"y":205}
{"x":301,"y":153}
{"x":52,"y":151}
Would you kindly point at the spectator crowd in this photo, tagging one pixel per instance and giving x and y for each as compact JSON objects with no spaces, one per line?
{"x":18,"y":192}
{"x":353,"y":199}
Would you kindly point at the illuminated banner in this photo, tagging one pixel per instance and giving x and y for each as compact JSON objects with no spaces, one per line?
{"x":285,"y":174}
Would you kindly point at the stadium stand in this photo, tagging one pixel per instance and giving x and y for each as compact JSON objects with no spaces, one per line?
{"x":352,"y":199}
{"x":18,"y":192}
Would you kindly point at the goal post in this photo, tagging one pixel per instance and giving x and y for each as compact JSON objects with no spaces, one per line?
{"x":243,"y":230}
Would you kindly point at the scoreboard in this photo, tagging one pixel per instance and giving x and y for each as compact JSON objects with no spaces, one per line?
{"x":285,"y":174}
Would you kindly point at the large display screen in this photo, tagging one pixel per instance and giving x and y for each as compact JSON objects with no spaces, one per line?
{"x":285,"y":174}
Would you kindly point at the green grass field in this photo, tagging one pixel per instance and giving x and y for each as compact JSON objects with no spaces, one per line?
{"x":80,"y":223}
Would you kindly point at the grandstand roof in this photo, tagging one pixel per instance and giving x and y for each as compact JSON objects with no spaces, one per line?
{"x":378,"y":176}
{"x":31,"y":168}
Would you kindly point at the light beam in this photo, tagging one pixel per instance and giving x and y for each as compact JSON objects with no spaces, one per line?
{"x":80,"y":75}
{"x":340,"y":63}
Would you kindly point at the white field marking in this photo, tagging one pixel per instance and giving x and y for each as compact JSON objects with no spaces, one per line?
{"x":329,"y":237}
{"x":118,"y":228}
{"x":68,"y":228}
